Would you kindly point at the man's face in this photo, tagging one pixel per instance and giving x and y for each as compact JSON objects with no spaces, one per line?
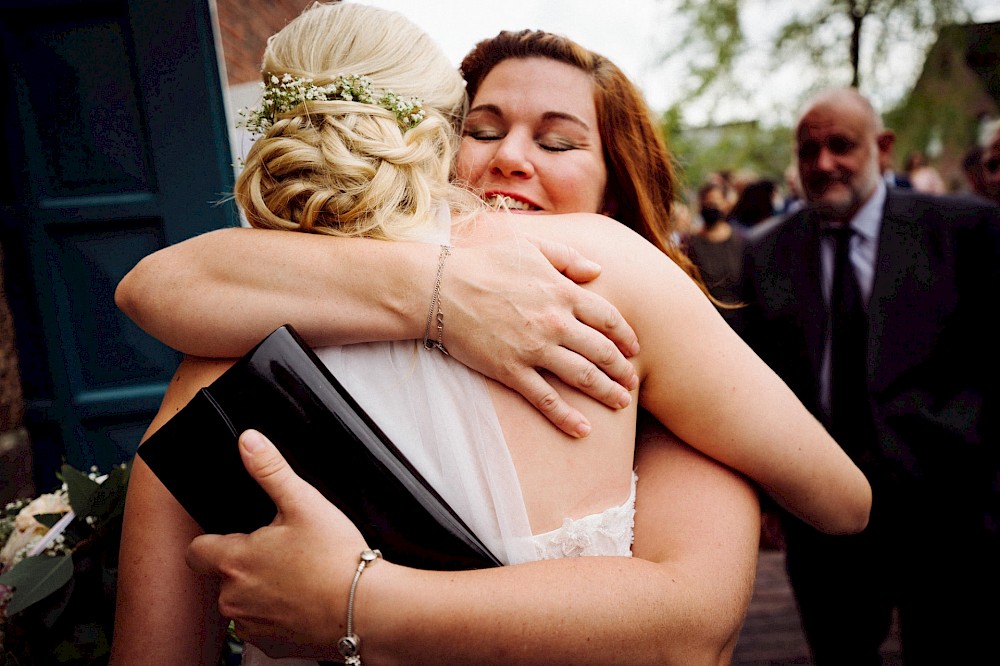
{"x":991,"y":168}
{"x":838,"y":156}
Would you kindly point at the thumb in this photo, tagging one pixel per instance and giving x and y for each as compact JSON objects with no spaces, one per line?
{"x":206,"y":553}
{"x":272,"y":473}
{"x":567,"y":260}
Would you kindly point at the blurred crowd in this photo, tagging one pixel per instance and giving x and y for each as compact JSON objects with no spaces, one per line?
{"x":713,"y":220}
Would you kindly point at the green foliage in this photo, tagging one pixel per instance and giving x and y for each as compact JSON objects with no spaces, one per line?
{"x":104,"y":501}
{"x":735,"y":147}
{"x":829,"y":43}
{"x":35,"y":578}
{"x":716,"y":24}
{"x":943,"y":107}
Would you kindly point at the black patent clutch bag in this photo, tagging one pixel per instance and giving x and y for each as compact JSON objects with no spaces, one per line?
{"x":283,"y":390}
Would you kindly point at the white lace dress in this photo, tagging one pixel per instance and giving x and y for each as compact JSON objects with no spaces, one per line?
{"x":439,"y":413}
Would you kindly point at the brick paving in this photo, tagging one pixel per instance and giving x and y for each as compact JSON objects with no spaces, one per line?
{"x":772,"y":633}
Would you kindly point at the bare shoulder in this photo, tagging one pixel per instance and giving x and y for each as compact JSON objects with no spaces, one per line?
{"x":633,"y":270}
{"x":617,"y":248}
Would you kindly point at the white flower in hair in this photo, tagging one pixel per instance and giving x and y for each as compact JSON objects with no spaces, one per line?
{"x":281,"y":95}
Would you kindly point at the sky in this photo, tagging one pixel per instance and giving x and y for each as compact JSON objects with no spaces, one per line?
{"x":634,"y":33}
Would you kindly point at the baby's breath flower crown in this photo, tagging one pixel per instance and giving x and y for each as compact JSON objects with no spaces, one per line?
{"x":281,"y":95}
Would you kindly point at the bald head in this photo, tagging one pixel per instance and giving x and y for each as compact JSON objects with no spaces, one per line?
{"x":848,"y":99}
{"x":839,"y":140}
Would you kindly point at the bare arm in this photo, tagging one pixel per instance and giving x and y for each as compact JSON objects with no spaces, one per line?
{"x":510,"y":312}
{"x":165,"y":614}
{"x":706,"y":385}
{"x":680,"y":600}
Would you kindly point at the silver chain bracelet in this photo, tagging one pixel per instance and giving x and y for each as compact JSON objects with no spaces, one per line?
{"x":429,"y":343}
{"x":349,"y":645}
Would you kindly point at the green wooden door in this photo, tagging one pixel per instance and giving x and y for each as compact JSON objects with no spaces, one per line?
{"x":116,"y":145}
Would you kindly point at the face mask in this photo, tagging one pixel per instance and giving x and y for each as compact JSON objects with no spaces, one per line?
{"x":710,"y":215}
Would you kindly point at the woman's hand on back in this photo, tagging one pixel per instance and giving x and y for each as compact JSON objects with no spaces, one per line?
{"x":513,"y":311}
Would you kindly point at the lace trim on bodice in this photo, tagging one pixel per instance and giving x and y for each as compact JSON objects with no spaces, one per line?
{"x":610,"y":532}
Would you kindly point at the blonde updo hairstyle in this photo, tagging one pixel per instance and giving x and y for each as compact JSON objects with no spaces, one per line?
{"x":348,"y":168}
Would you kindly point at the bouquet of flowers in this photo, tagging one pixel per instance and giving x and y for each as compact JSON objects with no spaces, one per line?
{"x":58,"y":568}
{"x":59,"y":572}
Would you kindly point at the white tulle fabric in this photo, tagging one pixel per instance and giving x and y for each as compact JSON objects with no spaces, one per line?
{"x":439,"y":413}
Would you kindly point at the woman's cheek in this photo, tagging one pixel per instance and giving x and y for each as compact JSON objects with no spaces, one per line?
{"x":579,"y":193}
{"x":470,"y":164}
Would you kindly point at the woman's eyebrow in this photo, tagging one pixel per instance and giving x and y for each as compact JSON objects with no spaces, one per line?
{"x":562,"y":115}
{"x":486,"y":108}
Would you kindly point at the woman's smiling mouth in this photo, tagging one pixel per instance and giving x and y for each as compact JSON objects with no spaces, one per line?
{"x":498,"y":199}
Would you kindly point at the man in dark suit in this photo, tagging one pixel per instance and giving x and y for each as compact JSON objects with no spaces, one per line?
{"x":920,"y":415}
{"x":991,"y":164}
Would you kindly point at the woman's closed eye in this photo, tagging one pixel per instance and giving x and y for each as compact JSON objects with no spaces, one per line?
{"x":485,"y":134}
{"x":547,"y":142}
{"x":556,"y":144}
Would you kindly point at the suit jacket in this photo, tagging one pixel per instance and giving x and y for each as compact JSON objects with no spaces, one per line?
{"x":932,"y":355}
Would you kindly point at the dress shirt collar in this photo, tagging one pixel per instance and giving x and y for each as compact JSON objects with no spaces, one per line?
{"x":866,"y":224}
{"x":867,"y":221}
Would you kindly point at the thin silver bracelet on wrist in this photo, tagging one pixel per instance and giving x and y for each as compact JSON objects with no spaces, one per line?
{"x":431,"y":344}
{"x":349,"y":645}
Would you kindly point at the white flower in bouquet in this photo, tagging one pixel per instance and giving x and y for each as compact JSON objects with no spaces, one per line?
{"x":27,"y":530}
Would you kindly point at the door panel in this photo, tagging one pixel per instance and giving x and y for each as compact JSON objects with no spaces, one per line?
{"x":116,"y":142}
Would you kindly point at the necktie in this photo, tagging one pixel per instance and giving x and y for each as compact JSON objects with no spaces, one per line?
{"x":850,"y":413}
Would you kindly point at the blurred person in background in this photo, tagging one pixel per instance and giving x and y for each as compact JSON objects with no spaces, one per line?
{"x":717,"y":248}
{"x":974,"y":171}
{"x":756,"y":204}
{"x":891,"y":177}
{"x":924,"y":177}
{"x":793,"y":191}
{"x":991,"y":164}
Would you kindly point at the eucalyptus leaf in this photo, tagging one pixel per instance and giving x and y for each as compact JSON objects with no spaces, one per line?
{"x":82,"y":490}
{"x":49,"y":519}
{"x":35,"y":578}
{"x":119,"y":475}
{"x":108,"y":501}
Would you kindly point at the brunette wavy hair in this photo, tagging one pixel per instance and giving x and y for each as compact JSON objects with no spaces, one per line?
{"x":642,"y":183}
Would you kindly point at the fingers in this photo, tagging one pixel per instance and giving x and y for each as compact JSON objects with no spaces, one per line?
{"x":547,"y":400}
{"x":567,"y":260}
{"x":271,"y":471}
{"x":577,"y":371}
{"x":206,"y":554}
{"x":584,"y":356}
{"x":592,"y":310}
{"x":522,"y":316}
{"x":592,"y":338}
{"x":600,"y":315}
{"x":584,"y":359}
{"x":573,"y":370}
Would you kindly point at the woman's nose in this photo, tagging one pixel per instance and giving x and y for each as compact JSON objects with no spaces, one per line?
{"x":511,"y":158}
